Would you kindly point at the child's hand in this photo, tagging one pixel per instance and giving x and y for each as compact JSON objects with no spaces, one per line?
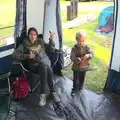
{"x":86,"y":56}
{"x":31,"y":56}
{"x":78,"y":58}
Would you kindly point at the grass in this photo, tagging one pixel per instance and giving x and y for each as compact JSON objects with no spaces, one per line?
{"x":7,"y":18}
{"x":92,"y":8}
{"x":4,"y":33}
{"x":7,"y":12}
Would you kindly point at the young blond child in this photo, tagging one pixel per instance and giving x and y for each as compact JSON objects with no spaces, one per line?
{"x":80,"y":56}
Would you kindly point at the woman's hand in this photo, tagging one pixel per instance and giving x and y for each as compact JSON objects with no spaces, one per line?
{"x":31,"y":56}
{"x":51,"y":34}
{"x":38,"y":48}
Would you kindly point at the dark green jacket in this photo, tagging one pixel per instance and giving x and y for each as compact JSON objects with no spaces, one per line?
{"x":24,"y":49}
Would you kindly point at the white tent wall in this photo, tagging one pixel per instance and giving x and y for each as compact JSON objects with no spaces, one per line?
{"x":115,"y":63}
{"x":35,"y":14}
{"x":50,"y":23}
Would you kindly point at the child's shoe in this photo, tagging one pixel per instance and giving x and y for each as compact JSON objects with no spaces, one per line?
{"x":81,"y":88}
{"x":55,"y":97}
{"x":73,"y":93}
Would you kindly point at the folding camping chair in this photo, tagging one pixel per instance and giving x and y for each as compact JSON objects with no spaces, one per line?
{"x":5,"y":95}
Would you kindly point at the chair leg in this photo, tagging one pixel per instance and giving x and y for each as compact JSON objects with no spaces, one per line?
{"x":9,"y":87}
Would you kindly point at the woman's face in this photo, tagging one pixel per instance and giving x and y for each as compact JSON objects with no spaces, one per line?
{"x":33,"y":36}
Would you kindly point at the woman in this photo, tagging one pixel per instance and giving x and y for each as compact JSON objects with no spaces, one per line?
{"x":34,"y":51}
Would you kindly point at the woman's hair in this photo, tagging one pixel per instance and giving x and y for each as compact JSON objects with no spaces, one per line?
{"x":32,"y":29}
{"x":79,"y":34}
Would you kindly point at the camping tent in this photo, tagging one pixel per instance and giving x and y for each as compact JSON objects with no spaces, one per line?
{"x":105,"y":21}
{"x":86,"y":105}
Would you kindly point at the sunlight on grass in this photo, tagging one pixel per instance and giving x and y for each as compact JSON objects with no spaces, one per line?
{"x":64,"y":15}
{"x":7,"y":18}
{"x":102,"y":53}
{"x":7,"y":12}
{"x":64,"y":2}
{"x":93,"y":7}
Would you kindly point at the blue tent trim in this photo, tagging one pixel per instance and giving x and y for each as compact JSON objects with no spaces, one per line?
{"x":6,"y":61}
{"x":6,"y":47}
{"x":5,"y":64}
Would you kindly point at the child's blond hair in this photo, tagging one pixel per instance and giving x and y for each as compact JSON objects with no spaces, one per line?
{"x":79,"y":34}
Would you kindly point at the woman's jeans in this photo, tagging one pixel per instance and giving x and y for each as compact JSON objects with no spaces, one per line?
{"x":46,"y":76}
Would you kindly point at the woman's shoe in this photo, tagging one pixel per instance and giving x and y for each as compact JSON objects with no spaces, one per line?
{"x":42,"y":100}
{"x":55,"y":97}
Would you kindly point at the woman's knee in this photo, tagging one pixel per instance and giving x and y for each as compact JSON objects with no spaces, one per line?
{"x":50,"y":70}
{"x":42,"y":68}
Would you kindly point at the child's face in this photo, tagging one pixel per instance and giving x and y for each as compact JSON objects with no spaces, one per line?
{"x":81,"y":40}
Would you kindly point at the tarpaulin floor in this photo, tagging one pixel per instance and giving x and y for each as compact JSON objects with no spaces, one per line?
{"x":4,"y":106}
{"x":86,"y":105}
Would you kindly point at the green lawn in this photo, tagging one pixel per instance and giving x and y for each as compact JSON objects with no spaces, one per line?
{"x":7,"y":12}
{"x":7,"y":18}
{"x":84,"y":8}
